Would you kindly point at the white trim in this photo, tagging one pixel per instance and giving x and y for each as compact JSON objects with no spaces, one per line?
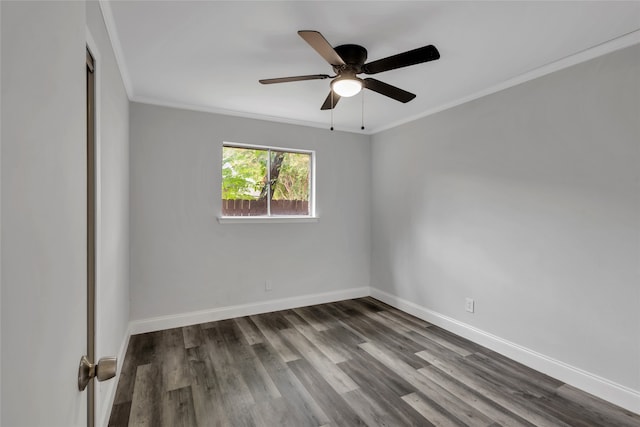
{"x":243,"y":114}
{"x":222,"y":219}
{"x":594,"y":384}
{"x":95,"y":52}
{"x":110,"y":24}
{"x":604,"y":48}
{"x":0,"y":234}
{"x":608,"y":390}
{"x":601,"y":49}
{"x":110,"y":393}
{"x":266,"y":147}
{"x":102,"y":404}
{"x":312,"y":189}
{"x":221,"y":313}
{"x":266,"y":219}
{"x":105,"y":392}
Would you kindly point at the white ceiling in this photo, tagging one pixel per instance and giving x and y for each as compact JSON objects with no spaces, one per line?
{"x":209,"y":55}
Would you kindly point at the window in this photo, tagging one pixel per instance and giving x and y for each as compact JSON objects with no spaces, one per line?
{"x":266,"y":182}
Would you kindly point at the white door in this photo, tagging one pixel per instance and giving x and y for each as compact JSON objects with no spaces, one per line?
{"x":44,"y":204}
{"x":43,"y":213}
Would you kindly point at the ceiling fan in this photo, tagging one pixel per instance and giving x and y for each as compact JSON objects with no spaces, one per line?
{"x":348,"y":61}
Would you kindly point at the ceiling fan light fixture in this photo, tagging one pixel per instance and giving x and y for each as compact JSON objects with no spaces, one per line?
{"x":347,"y":86}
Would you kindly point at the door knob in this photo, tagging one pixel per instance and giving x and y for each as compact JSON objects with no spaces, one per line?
{"x":106,"y":368}
{"x":103,"y":370}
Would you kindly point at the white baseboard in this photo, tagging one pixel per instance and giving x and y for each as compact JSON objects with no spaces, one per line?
{"x":598,"y":386}
{"x":179,"y":320}
{"x":601,"y":387}
{"x":203,"y":316}
{"x":110,"y":390}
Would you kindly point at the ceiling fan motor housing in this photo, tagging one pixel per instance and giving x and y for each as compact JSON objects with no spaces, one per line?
{"x":354,"y":57}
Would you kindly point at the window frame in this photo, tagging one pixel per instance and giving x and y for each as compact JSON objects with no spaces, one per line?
{"x":311,"y":217}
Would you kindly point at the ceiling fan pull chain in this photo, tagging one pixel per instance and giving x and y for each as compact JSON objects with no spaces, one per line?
{"x":332,"y":109}
{"x":362,"y":122}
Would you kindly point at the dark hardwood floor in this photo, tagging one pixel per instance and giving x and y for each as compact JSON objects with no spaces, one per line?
{"x":350,"y":363}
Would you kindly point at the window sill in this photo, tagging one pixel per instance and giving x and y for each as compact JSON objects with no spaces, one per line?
{"x":265,"y":219}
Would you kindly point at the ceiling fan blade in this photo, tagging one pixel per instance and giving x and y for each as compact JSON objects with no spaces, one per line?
{"x":322,"y":46}
{"x":388,"y":90}
{"x":327,"y":102}
{"x":294,"y":79}
{"x":411,"y":57}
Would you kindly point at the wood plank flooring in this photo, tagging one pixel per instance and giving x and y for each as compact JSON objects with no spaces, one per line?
{"x":350,"y":363}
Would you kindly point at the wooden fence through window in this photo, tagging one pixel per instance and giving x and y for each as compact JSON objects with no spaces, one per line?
{"x":233,"y":207}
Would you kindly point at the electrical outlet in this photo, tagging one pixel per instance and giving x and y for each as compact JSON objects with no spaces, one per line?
{"x":268,"y":285}
{"x":469,"y":305}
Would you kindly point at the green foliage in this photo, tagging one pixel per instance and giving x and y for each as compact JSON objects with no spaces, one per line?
{"x":293,"y":180}
{"x":244,"y":174}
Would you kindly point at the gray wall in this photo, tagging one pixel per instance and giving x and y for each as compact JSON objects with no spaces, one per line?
{"x":43,"y":208}
{"x":528,"y":201}
{"x":183,"y":260}
{"x":112,"y":285}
